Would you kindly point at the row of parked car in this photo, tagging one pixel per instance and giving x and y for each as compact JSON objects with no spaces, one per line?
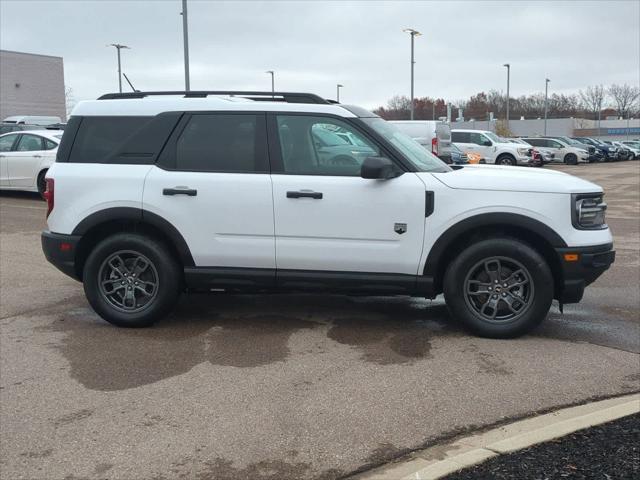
{"x":483,"y":146}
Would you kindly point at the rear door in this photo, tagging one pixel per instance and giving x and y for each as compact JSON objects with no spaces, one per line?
{"x":212,"y":184}
{"x":328,"y":218}
{"x":24,"y":161}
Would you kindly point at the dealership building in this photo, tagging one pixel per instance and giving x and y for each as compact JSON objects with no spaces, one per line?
{"x":625,"y":129}
{"x":31,"y":84}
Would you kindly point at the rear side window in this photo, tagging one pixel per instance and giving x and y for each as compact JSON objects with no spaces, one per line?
{"x":222,"y":142}
{"x":99,"y":137}
{"x":29,"y":143}
{"x":460,"y":137}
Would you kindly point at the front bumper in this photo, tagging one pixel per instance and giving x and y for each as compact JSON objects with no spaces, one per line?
{"x":60,"y":250}
{"x":590,"y":263}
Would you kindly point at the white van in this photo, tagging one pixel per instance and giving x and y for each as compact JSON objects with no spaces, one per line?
{"x":32,"y":120}
{"x":434,"y":135}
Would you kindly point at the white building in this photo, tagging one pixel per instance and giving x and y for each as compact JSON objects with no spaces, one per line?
{"x":31,"y":84}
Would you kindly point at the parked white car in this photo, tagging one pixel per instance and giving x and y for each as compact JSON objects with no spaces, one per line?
{"x":32,"y":120}
{"x":491,"y":147}
{"x":434,"y":135}
{"x":635,"y":149}
{"x":154,"y":194}
{"x":562,"y":150}
{"x":25,"y":158}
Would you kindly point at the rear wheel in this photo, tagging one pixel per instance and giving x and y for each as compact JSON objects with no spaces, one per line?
{"x":570,"y":159}
{"x":41,"y":183}
{"x":499,"y":288}
{"x":131,"y":280}
{"x":506,"y":160}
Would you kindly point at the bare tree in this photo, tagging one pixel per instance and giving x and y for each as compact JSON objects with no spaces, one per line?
{"x":593,"y":98}
{"x":625,"y":97}
{"x":69,"y":100}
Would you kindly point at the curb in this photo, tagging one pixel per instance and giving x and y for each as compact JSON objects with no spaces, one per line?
{"x":440,"y":460}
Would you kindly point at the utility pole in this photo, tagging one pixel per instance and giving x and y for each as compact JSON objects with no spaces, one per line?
{"x":338,"y":87}
{"x":508,"y":79}
{"x":118,"y":48}
{"x":413,"y":34}
{"x":273,"y":82}
{"x":546,"y":97}
{"x":185,"y":35}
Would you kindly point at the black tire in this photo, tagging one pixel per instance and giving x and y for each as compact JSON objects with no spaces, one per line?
{"x":570,"y":159}
{"x":112,"y":266}
{"x":533,"y":292}
{"x":506,"y":159}
{"x":41,"y":184}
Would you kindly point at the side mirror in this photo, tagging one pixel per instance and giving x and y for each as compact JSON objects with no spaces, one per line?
{"x":377,"y":168}
{"x":487,"y":143}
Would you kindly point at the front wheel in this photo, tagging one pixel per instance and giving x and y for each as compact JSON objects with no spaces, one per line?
{"x":506,"y":160}
{"x":131,"y":280}
{"x":499,"y":288}
{"x":571,"y":159}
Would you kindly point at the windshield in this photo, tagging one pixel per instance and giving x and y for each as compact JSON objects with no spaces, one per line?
{"x":419,"y":156}
{"x":494,"y":137}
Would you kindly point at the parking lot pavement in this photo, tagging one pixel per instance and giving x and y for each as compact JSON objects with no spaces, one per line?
{"x":276,"y":387}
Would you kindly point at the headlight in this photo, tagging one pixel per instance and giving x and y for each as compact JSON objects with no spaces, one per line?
{"x":588,"y":211}
{"x":523,"y":151}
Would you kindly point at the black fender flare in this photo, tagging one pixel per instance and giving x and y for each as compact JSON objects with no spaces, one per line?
{"x":495,"y":219}
{"x":138,"y":215}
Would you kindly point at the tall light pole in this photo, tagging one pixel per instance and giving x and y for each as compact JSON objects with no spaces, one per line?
{"x":508,"y":80}
{"x":546,"y":97}
{"x":118,"y":48}
{"x":185,"y":35}
{"x":414,"y":34}
{"x":273,"y":81}
{"x":338,"y":87}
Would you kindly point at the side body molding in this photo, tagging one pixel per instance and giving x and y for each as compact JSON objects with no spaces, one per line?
{"x":138,"y":215}
{"x":488,"y":220}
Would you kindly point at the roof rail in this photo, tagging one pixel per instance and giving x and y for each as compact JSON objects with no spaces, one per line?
{"x":289,"y":97}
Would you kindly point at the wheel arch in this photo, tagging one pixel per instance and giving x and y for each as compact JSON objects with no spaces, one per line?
{"x":105,"y":222}
{"x":528,"y":230}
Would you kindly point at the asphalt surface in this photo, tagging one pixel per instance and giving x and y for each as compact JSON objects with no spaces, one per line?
{"x":609,"y":451}
{"x":277,"y":387}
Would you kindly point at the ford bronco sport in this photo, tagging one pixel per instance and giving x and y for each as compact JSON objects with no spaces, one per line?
{"x":158,"y":193}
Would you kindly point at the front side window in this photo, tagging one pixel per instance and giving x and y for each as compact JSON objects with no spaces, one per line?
{"x":421,"y":158}
{"x":29,"y":143}
{"x":313,"y":145}
{"x":492,"y":136}
{"x":232,"y":143}
{"x":6,"y":143}
{"x":477,"y":138}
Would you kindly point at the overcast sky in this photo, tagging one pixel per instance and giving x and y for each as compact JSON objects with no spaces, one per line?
{"x":314,"y":45}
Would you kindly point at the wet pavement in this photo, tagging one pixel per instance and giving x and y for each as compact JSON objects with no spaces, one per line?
{"x":276,"y":387}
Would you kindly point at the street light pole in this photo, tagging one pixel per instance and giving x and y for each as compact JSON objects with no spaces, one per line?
{"x":338,"y":87}
{"x":118,"y":48}
{"x":413,"y":34}
{"x":508,"y":81}
{"x":273,"y":82}
{"x":185,"y":35}
{"x":546,"y":96}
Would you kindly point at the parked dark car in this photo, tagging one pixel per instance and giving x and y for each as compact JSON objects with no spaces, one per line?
{"x":458,"y":157}
{"x":608,"y":152}
{"x":623,"y":152}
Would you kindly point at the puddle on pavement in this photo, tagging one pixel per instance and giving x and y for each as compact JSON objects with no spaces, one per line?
{"x":242,"y":331}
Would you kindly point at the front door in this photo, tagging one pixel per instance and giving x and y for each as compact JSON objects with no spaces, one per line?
{"x":328,"y":218}
{"x":212,"y":184}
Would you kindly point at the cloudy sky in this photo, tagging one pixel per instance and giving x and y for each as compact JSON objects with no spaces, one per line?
{"x":313,"y":45}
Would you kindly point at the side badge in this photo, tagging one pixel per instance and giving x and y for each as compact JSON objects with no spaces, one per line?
{"x":400,"y":228}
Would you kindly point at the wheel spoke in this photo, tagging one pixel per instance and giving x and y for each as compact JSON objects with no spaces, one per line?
{"x":139,"y":266}
{"x":116,"y":263}
{"x":491,"y":303}
{"x":129,"y":300}
{"x":514,"y":279}
{"x":113,"y":284}
{"x":493,"y":267}
{"x":510,"y":300}
{"x":481,"y":288}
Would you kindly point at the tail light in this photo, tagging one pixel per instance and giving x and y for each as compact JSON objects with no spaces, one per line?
{"x":434,"y":146}
{"x":48,"y":194}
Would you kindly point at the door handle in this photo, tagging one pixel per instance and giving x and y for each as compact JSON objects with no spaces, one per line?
{"x":191,"y":192}
{"x":303,"y":194}
{"x":37,"y":156}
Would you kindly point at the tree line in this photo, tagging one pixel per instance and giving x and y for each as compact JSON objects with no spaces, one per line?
{"x":618,"y":100}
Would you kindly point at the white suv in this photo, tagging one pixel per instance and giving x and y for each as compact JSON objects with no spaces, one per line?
{"x":154,"y":194}
{"x":492,"y":148}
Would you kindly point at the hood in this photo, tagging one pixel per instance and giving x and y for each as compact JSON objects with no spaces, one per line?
{"x":514,"y":179}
